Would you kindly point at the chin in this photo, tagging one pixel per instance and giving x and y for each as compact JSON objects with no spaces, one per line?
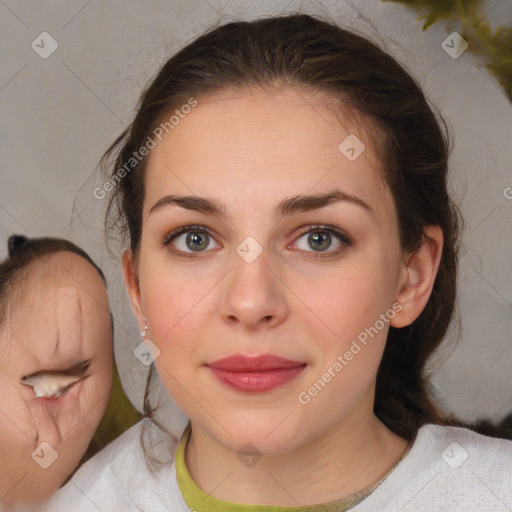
{"x":259,"y":436}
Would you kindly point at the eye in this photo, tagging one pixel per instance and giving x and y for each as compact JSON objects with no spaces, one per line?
{"x":197,"y":239}
{"x":320,"y":238}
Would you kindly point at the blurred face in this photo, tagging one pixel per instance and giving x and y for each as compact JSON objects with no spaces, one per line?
{"x":59,"y":321}
{"x":269,"y":273}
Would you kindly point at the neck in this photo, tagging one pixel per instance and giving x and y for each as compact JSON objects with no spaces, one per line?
{"x":352,"y":454}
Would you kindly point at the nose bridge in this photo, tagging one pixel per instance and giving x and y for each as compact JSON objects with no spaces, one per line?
{"x":253,"y":293}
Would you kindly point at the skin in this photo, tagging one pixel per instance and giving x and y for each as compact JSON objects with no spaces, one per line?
{"x":65,"y":300}
{"x":250,"y":150}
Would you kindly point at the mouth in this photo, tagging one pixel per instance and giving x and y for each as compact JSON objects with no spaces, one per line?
{"x":52,"y":384}
{"x":255,"y":374}
{"x":64,"y":399}
{"x":248,"y":363}
{"x":52,"y":390}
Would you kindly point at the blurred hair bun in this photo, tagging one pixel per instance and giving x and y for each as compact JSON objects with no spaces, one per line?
{"x":15,"y":241}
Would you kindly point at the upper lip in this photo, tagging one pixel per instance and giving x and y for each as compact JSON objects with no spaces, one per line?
{"x":241,"y":363}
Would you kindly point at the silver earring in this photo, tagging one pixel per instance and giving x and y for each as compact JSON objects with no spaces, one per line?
{"x":153,"y":350}
{"x":145,"y":331}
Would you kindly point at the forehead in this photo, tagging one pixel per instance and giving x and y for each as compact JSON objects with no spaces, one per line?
{"x":59,"y":305}
{"x":59,"y":285}
{"x":252,"y":146}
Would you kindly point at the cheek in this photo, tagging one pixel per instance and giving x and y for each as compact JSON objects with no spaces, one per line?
{"x":343,"y":302}
{"x":98,"y":333}
{"x":174,"y":305}
{"x":343,"y":319}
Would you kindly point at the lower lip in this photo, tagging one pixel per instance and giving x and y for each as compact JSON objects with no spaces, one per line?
{"x":256,"y":382}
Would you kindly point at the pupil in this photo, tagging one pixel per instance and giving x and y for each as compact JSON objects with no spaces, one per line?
{"x":316,"y":237}
{"x":197,"y":238}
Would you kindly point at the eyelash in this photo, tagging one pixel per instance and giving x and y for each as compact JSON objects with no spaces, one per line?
{"x":342,"y":237}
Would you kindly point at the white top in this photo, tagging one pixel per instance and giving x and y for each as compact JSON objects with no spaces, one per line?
{"x":447,"y":469}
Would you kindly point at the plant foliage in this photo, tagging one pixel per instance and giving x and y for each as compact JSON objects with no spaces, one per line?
{"x":493,"y":47}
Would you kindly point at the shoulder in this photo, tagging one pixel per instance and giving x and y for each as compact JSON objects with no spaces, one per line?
{"x":118,"y":477}
{"x":462,"y":447}
{"x":448,"y":468}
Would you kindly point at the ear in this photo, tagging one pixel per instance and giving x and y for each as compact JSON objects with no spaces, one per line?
{"x":131,"y":283}
{"x":418,"y":276}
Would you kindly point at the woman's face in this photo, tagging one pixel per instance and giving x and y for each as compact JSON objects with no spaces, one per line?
{"x":60,"y":319}
{"x":261,"y":283}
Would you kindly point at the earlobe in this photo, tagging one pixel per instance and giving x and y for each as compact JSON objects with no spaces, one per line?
{"x":418,"y":277}
{"x":132,"y":285}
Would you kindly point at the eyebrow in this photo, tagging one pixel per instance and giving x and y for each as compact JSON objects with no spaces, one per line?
{"x":288,"y":206}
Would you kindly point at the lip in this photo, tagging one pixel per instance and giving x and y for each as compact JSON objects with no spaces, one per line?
{"x":243,"y":363}
{"x":257,"y":373}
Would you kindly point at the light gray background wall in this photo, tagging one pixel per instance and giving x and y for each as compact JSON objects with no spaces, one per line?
{"x":59,"y":114}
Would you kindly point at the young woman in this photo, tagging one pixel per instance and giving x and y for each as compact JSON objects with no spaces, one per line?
{"x":55,"y":365}
{"x":292,"y":265}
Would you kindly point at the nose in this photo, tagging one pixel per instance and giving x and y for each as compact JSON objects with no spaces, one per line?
{"x":254,"y":294}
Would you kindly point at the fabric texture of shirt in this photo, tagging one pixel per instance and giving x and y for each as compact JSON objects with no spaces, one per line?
{"x":447,"y":469}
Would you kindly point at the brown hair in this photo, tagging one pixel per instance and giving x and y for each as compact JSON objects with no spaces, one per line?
{"x":411,"y":141}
